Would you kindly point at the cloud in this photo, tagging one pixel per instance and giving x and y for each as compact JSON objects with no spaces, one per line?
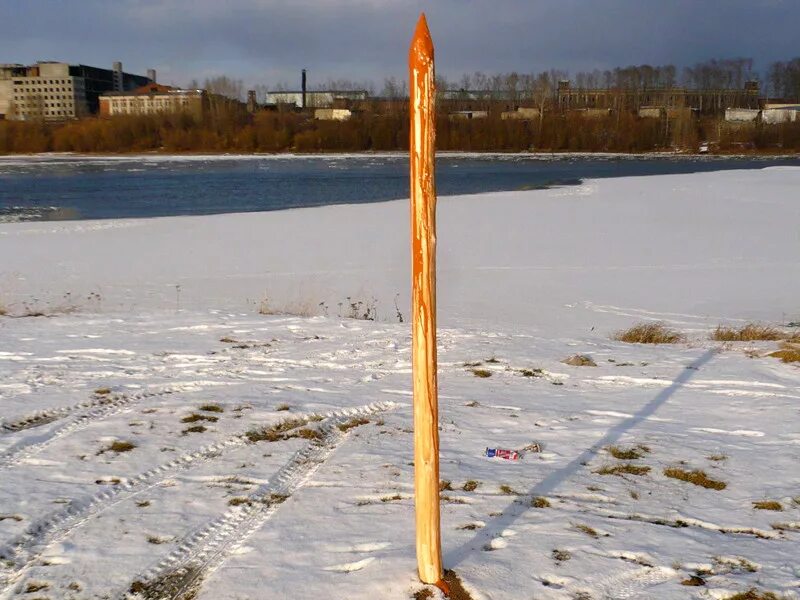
{"x":264,"y":41}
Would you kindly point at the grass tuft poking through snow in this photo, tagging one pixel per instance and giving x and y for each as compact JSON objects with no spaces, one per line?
{"x":195,"y":417}
{"x":695,"y":477}
{"x":482,"y":373}
{"x":754,"y":594}
{"x":352,"y":423}
{"x":471,"y":485}
{"x":117,"y":446}
{"x":540,"y":502}
{"x":751,"y":332}
{"x":623,"y":469}
{"x":216,"y":408}
{"x":627,"y":453}
{"x":649,"y":333}
{"x":276,"y":432}
{"x":788,"y":353}
{"x":591,"y":532}
{"x":767,"y":505}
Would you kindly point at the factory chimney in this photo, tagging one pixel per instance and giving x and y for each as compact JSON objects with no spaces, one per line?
{"x":303,"y":88}
{"x":116,"y":76}
{"x":151,"y":75}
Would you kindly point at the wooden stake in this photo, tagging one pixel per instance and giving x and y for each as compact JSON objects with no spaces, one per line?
{"x":423,"y":305}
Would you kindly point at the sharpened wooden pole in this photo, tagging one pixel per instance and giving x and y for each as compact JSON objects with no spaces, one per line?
{"x":423,"y":306}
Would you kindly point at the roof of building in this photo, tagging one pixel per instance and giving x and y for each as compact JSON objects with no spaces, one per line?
{"x":154,"y":89}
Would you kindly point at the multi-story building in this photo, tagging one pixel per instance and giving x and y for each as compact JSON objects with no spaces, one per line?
{"x":151,"y":99}
{"x":57,"y":91}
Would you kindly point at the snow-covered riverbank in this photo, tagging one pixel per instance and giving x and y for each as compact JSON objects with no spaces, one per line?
{"x":124,"y":450}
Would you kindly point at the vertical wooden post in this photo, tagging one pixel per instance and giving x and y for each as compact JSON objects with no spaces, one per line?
{"x":423,"y":305}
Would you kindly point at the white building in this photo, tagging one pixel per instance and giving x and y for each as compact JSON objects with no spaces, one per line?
{"x":316,"y":99}
{"x":333,"y":114}
{"x":152,"y":99}
{"x":742,"y":115}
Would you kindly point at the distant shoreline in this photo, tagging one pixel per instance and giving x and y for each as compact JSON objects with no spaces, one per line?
{"x":400,"y":153}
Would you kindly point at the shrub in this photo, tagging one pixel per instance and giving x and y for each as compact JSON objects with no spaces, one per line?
{"x":788,"y":353}
{"x":748,"y":333}
{"x":649,"y":333}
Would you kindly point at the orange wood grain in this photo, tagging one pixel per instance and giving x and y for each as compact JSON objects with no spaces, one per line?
{"x":423,"y":305}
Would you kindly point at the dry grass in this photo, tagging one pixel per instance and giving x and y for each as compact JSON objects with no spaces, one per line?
{"x":239,"y":501}
{"x":471,"y":485}
{"x":352,"y":424}
{"x":623,"y":469}
{"x":508,"y":490}
{"x":277,"y":432}
{"x":445,"y":484}
{"x":767,"y":505}
{"x":621,"y":453}
{"x":481,"y":373}
{"x":282,"y":407}
{"x":751,"y":332}
{"x":694,"y":580}
{"x":531,"y":372}
{"x":194,"y":429}
{"x":789,"y":353}
{"x":309,"y":434}
{"x":717,"y":457}
{"x":216,"y":408}
{"x":561,"y":555}
{"x":103,"y":391}
{"x":695,"y":477}
{"x":754,"y":594}
{"x":587,"y":530}
{"x":649,"y":333}
{"x":540,"y":502}
{"x":118,"y":447}
{"x":195,"y":418}
{"x":154,"y":539}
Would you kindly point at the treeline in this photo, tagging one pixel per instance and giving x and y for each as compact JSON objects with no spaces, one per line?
{"x":237,"y":131}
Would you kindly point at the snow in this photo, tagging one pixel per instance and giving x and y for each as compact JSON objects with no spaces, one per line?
{"x":154,"y":321}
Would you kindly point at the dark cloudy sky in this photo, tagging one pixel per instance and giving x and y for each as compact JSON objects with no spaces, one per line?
{"x":268,"y":41}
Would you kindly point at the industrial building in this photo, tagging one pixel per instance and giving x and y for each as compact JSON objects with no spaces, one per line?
{"x":152,"y":98}
{"x":304,"y":98}
{"x":55,"y":91}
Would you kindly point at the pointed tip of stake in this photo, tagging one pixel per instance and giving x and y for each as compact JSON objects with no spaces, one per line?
{"x":421,"y":43}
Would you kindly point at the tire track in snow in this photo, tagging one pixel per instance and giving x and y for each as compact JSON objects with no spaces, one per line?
{"x":181,"y":573}
{"x":27,"y":548}
{"x":96,"y":411}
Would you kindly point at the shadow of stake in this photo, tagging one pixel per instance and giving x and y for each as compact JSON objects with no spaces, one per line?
{"x":547,"y":485}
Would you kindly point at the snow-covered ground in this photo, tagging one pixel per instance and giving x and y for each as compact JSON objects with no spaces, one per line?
{"x":153,"y":339}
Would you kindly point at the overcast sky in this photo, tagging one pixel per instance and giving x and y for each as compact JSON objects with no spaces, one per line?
{"x":268,"y":42}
